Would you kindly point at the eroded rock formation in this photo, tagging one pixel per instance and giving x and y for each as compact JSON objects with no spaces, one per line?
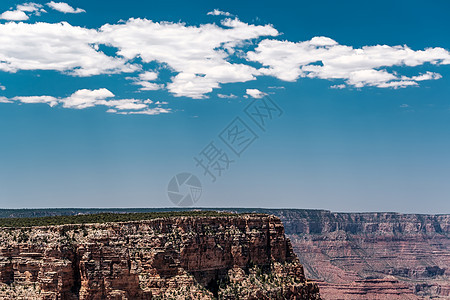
{"x":372,"y":255}
{"x":245,"y":257}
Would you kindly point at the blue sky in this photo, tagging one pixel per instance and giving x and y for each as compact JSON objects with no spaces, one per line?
{"x":98,"y":115}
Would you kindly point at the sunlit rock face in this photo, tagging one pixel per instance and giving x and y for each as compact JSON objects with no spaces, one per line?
{"x":245,"y":257}
{"x":372,"y":255}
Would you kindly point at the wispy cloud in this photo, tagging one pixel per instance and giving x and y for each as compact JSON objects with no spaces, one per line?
{"x":65,"y":8}
{"x":86,"y":98}
{"x":5,"y":100}
{"x":338,"y":86}
{"x":230,"y":96}
{"x":145,"y":81}
{"x":255,"y":93}
{"x":218,"y":12}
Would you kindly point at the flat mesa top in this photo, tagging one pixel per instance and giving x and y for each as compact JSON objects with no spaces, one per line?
{"x":107,"y":218}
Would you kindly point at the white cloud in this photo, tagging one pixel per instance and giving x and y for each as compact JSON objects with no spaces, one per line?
{"x":397,"y":84}
{"x":150,"y":111}
{"x":148,"y":76}
{"x":338,"y":86}
{"x":5,"y":100}
{"x":324,"y":58}
{"x":31,"y":7}
{"x":202,"y":58}
{"x":217,"y":12}
{"x":52,"y":101}
{"x":148,"y":86}
{"x":427,"y":76}
{"x":14,"y":15}
{"x":20,"y":13}
{"x":196,"y":53}
{"x":144,"y":81}
{"x":60,"y":47}
{"x":2,"y":87}
{"x":230,"y":96}
{"x":85,"y":98}
{"x":404,"y":106}
{"x":255,"y":93}
{"x":64,"y":8}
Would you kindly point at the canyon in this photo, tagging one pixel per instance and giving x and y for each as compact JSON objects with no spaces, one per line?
{"x":356,"y":256}
{"x":372,"y":255}
{"x":245,"y":256}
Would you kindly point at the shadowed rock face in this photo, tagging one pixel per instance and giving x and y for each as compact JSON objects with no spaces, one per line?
{"x":201,"y":257}
{"x":372,"y":255}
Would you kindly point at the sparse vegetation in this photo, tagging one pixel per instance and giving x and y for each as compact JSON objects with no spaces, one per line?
{"x":105,"y":218}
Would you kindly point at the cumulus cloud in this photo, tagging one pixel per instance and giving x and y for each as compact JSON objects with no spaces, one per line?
{"x":217,"y":12}
{"x":85,"y":98}
{"x":14,"y":15}
{"x":322,"y":57}
{"x":204,"y":57}
{"x":2,"y":87}
{"x":255,"y":93}
{"x":60,"y":47}
{"x":65,"y":8}
{"x":197,"y":54}
{"x":22,"y":11}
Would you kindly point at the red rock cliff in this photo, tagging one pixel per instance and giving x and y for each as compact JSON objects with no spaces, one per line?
{"x":245,"y":257}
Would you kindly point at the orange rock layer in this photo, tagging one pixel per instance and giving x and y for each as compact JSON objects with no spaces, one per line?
{"x":245,"y":257}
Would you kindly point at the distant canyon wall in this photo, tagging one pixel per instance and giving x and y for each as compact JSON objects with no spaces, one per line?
{"x":372,"y":255}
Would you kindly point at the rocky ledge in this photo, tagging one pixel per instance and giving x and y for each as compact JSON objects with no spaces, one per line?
{"x":227,"y":257}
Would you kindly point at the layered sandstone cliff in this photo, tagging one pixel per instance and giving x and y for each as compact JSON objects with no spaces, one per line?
{"x":229,"y":257}
{"x":352,"y":255}
{"x":372,"y":255}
